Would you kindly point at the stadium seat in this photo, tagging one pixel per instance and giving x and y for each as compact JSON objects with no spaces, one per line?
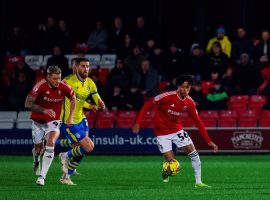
{"x":125,"y":122}
{"x":39,"y":74}
{"x":208,"y":122}
{"x":23,"y":123}
{"x":228,"y":114}
{"x":247,"y":123}
{"x":24,"y":115}
{"x":264,"y":122}
{"x":127,"y":114}
{"x":106,"y":115}
{"x":207,"y":86}
{"x":94,"y":59}
{"x":249,"y":114}
{"x":7,"y":119}
{"x":91,"y":117}
{"x":238,"y":107}
{"x":108,"y":61}
{"x":265,"y":114}
{"x":105,"y":123}
{"x":34,"y":61}
{"x":257,"y":102}
{"x":187,"y":122}
{"x":227,"y":122}
{"x":209,"y":114}
{"x":102,"y":73}
{"x":239,"y":99}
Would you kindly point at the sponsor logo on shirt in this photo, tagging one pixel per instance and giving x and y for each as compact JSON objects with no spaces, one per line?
{"x":172,"y":105}
{"x":174,"y":112}
{"x":52,"y":100}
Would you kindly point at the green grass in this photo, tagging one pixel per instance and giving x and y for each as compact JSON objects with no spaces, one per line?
{"x":138,"y":177}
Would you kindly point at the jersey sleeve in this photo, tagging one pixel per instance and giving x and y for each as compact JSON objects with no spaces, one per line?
{"x":94,"y":93}
{"x":37,"y":89}
{"x":69,"y":93}
{"x":198,"y":122}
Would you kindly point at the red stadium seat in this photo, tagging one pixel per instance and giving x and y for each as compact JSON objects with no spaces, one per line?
{"x":227,"y":123}
{"x":105,"y":123}
{"x":124,"y":123}
{"x":257,"y":102}
{"x":247,"y":123}
{"x":248,"y":115}
{"x":91,"y":117}
{"x":239,"y":99}
{"x":209,"y":114}
{"x":187,"y":122}
{"x":209,"y":122}
{"x":107,"y":114}
{"x":228,"y":114}
{"x":127,"y":114}
{"x":265,"y":114}
{"x":264,"y":122}
{"x":238,"y":107}
{"x":207,"y":86}
{"x":163,"y":85}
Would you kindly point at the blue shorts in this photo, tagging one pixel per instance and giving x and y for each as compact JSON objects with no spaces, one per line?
{"x":76,"y":132}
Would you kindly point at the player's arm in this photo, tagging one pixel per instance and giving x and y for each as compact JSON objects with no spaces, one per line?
{"x":72,"y":109}
{"x":147,"y":106}
{"x":30,"y":105}
{"x":198,"y":122}
{"x":98,"y":101}
{"x":90,"y":106}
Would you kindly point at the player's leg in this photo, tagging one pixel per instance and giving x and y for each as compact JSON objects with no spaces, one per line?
{"x":188,"y":147}
{"x":64,"y":143}
{"x":52,"y":134}
{"x":165,"y":147}
{"x":37,"y":136}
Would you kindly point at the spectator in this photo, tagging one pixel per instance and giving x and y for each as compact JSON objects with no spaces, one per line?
{"x":246,"y":77}
{"x":147,"y":80}
{"x":217,"y":61}
{"x":262,"y":50}
{"x":197,"y":95}
{"x":126,"y":47}
{"x":217,"y":98}
{"x":141,"y":33}
{"x":134,"y":98}
{"x":60,"y":60}
{"x":116,"y":36}
{"x":196,"y":62}
{"x":241,"y":45}
{"x":98,"y":39}
{"x":133,"y":62}
{"x":116,"y":99}
{"x":64,"y":37}
{"x":223,"y":40}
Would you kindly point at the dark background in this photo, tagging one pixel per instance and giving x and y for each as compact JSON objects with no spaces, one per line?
{"x":182,"y":21}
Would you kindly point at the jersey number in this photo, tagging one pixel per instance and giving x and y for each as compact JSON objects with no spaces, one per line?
{"x":182,"y":135}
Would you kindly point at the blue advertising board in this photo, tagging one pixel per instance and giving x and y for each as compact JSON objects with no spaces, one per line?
{"x":107,"y":141}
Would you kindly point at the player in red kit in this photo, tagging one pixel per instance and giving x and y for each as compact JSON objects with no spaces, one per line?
{"x":168,"y":127}
{"x":45,"y":101}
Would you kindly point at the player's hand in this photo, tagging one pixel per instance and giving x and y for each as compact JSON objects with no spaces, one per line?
{"x":101,"y":104}
{"x":136,"y":128}
{"x":69,"y":121}
{"x":49,"y":112}
{"x":93,"y":108}
{"x":214,"y":146}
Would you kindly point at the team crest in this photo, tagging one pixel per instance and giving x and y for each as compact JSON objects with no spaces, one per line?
{"x":88,"y":88}
{"x":185,"y":108}
{"x":59,"y":93}
{"x":47,"y":92}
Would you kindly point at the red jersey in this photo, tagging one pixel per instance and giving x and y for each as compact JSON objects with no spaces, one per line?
{"x":49,"y":98}
{"x":169,"y":109}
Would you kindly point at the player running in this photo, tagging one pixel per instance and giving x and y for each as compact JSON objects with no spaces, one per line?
{"x":45,"y":102}
{"x":168,"y":127}
{"x":77,"y":134}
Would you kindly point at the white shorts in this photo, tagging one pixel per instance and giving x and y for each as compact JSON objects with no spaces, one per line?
{"x":39,"y":131}
{"x":180,"y":139}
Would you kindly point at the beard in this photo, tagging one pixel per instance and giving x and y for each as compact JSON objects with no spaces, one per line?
{"x":83,"y":74}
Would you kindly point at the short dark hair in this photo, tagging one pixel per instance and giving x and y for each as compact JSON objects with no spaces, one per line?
{"x":182,"y":78}
{"x":79,"y":60}
{"x":53,"y":69}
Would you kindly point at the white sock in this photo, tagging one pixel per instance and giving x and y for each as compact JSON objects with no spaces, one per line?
{"x":196,"y":165}
{"x":47,"y":160}
{"x":36,"y":157}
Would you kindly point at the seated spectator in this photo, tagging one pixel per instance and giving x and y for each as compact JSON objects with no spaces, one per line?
{"x":147,"y":80}
{"x":133,"y":62}
{"x":262,"y":50}
{"x":60,"y":60}
{"x":223,"y":40}
{"x":217,"y":98}
{"x":246,"y":77}
{"x":116,"y":36}
{"x":242,"y":44}
{"x":197,"y":95}
{"x":4,"y":92}
{"x":116,"y":99}
{"x":134,"y":98}
{"x":196,"y":62}
{"x":98,"y":40}
{"x":217,"y":61}
{"x":64,"y":37}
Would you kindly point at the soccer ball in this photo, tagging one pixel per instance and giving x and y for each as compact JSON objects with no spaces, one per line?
{"x":171,"y":168}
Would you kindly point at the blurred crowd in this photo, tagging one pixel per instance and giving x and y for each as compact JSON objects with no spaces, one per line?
{"x":227,"y":65}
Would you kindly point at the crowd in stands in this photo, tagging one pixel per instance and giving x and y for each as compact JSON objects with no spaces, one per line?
{"x":143,"y":68}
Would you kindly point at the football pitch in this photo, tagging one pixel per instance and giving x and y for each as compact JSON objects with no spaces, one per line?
{"x":139,"y":177}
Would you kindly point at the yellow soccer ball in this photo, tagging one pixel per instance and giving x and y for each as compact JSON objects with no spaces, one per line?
{"x":171,"y":168}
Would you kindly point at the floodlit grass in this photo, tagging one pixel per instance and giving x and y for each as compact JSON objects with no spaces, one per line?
{"x":138,"y":177}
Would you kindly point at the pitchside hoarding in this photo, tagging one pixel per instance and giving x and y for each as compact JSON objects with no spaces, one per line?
{"x":123,"y":141}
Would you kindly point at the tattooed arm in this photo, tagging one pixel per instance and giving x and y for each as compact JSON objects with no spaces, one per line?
{"x":30,"y":105}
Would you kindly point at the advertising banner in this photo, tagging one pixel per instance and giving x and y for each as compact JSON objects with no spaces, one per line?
{"x":123,"y":141}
